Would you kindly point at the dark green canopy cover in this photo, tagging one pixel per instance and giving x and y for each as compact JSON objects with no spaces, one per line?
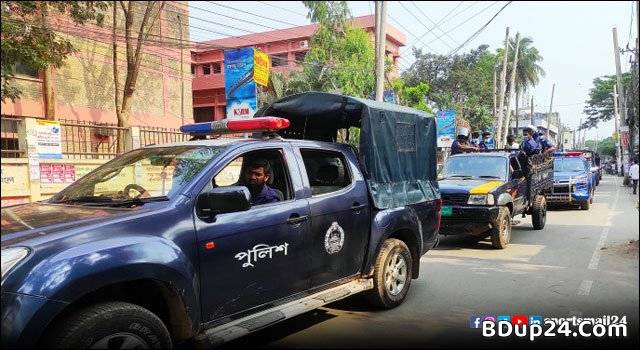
{"x":397,"y":144}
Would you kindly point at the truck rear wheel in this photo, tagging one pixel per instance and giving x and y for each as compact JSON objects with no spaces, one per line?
{"x":539,"y":212}
{"x":111,"y":325}
{"x":392,"y":275}
{"x":501,"y":231}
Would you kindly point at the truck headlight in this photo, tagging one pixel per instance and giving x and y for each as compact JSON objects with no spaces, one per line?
{"x":481,"y":199}
{"x":12,"y":256}
{"x":581,"y":178}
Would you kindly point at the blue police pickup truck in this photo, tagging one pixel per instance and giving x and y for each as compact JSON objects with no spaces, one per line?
{"x":200,"y":242}
{"x":574,"y":181}
{"x":482,"y":192}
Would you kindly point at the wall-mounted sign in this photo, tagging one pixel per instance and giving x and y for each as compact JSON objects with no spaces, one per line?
{"x":49,"y":140}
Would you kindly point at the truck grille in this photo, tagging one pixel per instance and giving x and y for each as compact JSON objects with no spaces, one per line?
{"x":449,"y":199}
{"x":563,"y":188}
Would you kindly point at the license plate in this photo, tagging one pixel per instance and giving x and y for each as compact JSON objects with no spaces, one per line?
{"x":447,"y":211}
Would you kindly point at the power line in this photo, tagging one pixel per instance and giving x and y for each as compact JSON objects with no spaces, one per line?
{"x":423,"y":24}
{"x":479,"y":30}
{"x":441,"y":20}
{"x":467,"y":20}
{"x":282,"y":8}
{"x":408,"y":31}
{"x":435,"y":25}
{"x":253,"y":14}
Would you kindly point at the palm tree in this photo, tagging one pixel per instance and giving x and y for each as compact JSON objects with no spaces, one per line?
{"x":528,"y":72}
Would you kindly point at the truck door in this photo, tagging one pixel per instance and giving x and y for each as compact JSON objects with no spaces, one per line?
{"x":253,"y":257}
{"x":340,"y":214}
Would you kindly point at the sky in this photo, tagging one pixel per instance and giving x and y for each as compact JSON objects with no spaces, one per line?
{"x":574,"y":38}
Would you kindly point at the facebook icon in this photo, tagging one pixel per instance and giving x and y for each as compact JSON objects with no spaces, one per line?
{"x":475,"y":321}
{"x":535,"y":320}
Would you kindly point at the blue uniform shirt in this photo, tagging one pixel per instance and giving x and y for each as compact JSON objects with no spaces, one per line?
{"x":530,"y":147}
{"x":455,"y":147}
{"x":267,"y":195}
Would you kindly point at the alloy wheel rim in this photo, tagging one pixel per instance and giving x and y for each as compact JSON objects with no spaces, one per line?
{"x":120,"y":340}
{"x":396,"y":274}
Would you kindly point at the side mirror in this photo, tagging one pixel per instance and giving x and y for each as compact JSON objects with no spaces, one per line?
{"x":517,"y":174}
{"x":220,"y":200}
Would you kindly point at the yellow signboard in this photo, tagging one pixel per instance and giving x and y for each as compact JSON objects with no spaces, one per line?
{"x":261,"y":66}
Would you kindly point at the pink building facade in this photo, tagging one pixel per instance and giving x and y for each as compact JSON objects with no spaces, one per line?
{"x":286,"y":47}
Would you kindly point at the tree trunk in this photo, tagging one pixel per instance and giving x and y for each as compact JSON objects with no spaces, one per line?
{"x":515,"y":131}
{"x":49,"y":98}
{"x":511,"y":90}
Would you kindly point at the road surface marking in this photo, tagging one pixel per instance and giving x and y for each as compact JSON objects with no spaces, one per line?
{"x":595,"y":258}
{"x":585,"y":287}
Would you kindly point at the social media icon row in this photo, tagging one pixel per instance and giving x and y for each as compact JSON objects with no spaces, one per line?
{"x":516,"y":320}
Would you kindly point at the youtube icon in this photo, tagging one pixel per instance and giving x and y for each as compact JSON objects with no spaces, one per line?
{"x":519,"y":320}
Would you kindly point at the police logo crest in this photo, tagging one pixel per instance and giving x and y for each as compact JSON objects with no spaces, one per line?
{"x":334,"y":238}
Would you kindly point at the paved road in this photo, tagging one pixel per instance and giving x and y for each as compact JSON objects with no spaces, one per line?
{"x":581,"y":264}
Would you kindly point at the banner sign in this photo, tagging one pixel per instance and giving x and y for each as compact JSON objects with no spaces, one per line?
{"x":57,"y":173}
{"x":239,"y":86}
{"x":48,"y":140}
{"x":261,"y":65}
{"x":446,"y":128}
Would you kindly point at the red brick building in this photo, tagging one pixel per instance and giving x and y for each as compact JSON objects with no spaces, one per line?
{"x":285,"y":46}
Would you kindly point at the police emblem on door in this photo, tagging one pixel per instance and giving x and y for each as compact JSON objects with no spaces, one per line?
{"x":334,"y":238}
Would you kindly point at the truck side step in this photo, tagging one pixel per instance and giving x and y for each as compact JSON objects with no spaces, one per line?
{"x":221,"y":334}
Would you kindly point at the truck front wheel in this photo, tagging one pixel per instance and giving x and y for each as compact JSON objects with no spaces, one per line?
{"x":585,"y":205}
{"x":392,"y":275}
{"x":501,"y":231}
{"x":539,"y":212}
{"x":110,"y":325}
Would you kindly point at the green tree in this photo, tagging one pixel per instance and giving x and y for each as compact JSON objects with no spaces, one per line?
{"x":605,"y":147}
{"x":462,"y":82}
{"x":600,"y":103}
{"x":528,"y":70}
{"x":28,"y":39}
{"x":412,"y":96}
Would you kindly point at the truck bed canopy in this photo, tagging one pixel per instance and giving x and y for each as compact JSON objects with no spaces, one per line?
{"x":397,"y":144}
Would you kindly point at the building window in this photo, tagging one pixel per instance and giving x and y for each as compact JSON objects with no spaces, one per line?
{"x":193,"y":69}
{"x":280,"y":59}
{"x":206,"y":69}
{"x":216,"y":67}
{"x":300,"y":56}
{"x":25,"y":71}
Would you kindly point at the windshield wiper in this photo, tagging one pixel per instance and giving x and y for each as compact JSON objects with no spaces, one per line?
{"x":489,"y":177}
{"x":456,"y":175}
{"x":86,"y":199}
{"x":139,"y":201}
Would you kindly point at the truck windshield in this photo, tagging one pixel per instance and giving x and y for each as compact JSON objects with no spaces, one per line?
{"x":475,"y":167}
{"x":143,"y":175}
{"x":569,"y":164}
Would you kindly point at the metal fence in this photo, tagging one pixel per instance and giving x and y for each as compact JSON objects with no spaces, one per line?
{"x":12,"y":145}
{"x":86,"y":140}
{"x":156,"y":135}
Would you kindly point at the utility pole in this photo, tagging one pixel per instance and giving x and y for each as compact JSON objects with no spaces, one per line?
{"x":621,"y":103}
{"x":531,"y":115}
{"x":381,"y":40}
{"x":553,"y":90}
{"x":616,"y":116}
{"x":503,"y":87}
{"x":495,"y":89}
{"x":507,"y":121}
{"x":181,"y":70}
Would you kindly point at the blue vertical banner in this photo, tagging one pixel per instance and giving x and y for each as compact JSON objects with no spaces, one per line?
{"x":446,"y":128}
{"x":239,"y":85}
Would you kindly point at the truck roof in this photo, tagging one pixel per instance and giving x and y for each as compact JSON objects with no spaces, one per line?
{"x":484,"y":154}
{"x":230,"y":141}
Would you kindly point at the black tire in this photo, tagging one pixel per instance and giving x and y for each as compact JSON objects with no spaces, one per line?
{"x":112,"y":324}
{"x":539,"y":212}
{"x":385,"y":296}
{"x":501,"y":232}
{"x":585,"y":205}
